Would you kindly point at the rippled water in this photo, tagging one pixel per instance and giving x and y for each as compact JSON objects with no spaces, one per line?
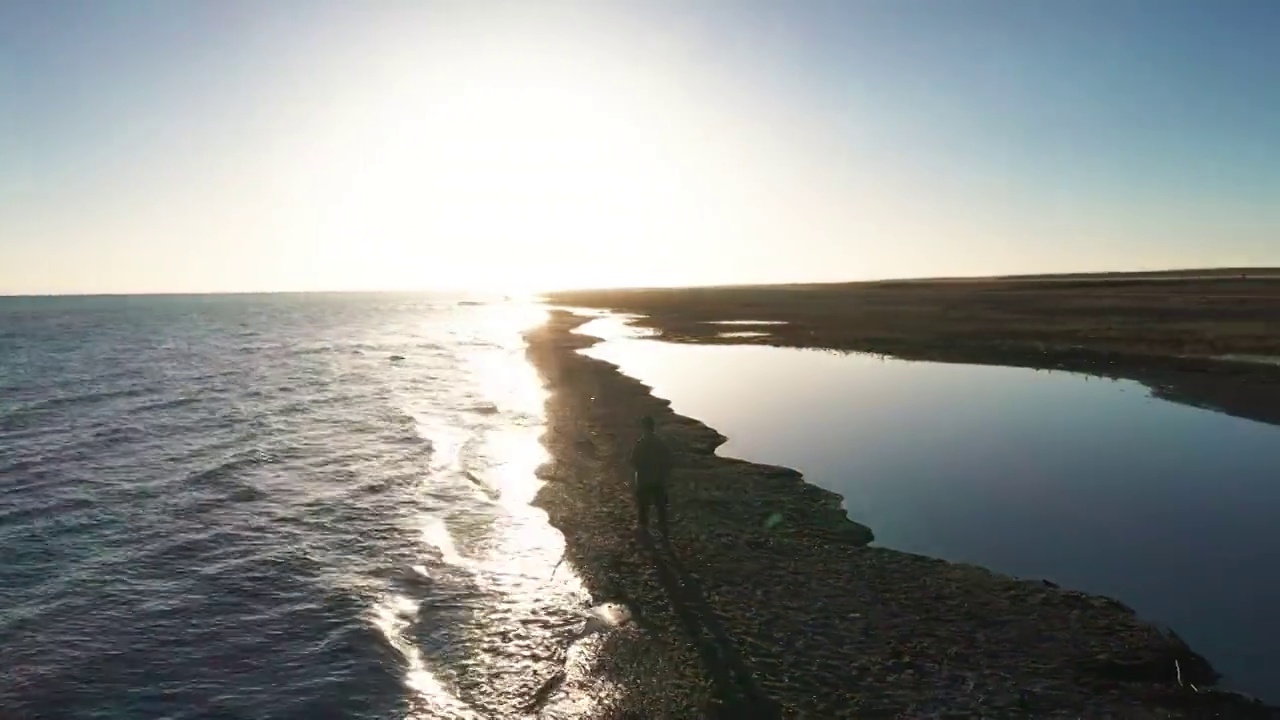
{"x":279,"y":507}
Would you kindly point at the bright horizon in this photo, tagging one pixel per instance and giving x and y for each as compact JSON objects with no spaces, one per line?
{"x":533,"y":294}
{"x":237,"y":146}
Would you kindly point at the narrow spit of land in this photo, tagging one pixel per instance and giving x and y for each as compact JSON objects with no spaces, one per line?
{"x":741,"y":617}
{"x":1209,"y":338}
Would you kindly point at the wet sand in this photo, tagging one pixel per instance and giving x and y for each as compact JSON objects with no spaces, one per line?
{"x":768,"y":602}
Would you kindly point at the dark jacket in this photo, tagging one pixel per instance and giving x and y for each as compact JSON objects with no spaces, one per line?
{"x":652,"y":460}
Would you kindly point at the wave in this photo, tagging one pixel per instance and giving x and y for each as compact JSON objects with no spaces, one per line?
{"x":169,"y":404}
{"x":230,"y":467}
{"x":491,"y":492}
{"x":83,"y":398}
{"x":244,"y":515}
{"x":64,"y":514}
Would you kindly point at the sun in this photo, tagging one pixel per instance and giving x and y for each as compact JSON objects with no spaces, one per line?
{"x":516,"y":173}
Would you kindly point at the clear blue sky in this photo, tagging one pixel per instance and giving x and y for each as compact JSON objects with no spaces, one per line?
{"x":169,"y":145}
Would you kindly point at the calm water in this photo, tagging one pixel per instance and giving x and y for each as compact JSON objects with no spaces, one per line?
{"x":1090,"y":483}
{"x":244,"y":507}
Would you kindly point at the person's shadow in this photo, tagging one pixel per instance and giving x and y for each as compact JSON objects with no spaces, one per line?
{"x":735,"y":688}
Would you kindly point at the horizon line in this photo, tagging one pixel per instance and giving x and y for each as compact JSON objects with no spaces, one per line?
{"x":1210,"y":271}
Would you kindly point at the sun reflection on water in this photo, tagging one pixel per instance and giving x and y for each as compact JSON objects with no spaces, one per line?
{"x":526,"y":620}
{"x":616,"y":326}
{"x":393,"y":616}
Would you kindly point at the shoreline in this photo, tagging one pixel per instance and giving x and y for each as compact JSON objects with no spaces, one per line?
{"x":1247,"y":389}
{"x":1207,"y":342}
{"x":740,"y":618}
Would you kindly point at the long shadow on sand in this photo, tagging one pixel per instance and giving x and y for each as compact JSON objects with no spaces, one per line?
{"x":735,"y":688}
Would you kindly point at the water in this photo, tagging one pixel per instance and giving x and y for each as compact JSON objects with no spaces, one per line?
{"x":1087,"y":482}
{"x":244,"y":507}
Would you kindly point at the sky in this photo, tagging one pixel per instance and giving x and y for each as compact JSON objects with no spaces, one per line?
{"x":229,"y":146}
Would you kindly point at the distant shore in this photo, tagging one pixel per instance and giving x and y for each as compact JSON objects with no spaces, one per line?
{"x":1204,"y":338}
{"x":769,"y":602}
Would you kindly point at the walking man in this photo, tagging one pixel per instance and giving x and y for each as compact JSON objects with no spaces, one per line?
{"x":652,"y":461}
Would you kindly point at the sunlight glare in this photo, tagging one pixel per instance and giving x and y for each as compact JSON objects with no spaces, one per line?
{"x":515,"y":171}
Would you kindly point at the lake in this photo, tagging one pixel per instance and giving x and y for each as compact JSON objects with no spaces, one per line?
{"x":1087,"y":482}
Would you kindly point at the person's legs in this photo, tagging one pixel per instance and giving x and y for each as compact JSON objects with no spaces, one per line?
{"x":642,"y":506}
{"x":660,"y":499}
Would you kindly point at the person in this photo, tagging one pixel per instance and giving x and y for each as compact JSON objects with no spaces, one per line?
{"x":651,"y":459}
